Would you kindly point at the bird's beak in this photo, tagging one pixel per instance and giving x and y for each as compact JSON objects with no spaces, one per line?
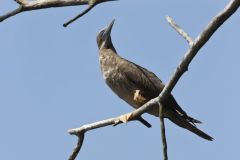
{"x":107,"y":31}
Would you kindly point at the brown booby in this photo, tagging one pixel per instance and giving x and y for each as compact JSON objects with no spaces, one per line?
{"x":137,"y":85}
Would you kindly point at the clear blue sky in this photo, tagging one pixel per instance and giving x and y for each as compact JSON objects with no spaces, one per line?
{"x":51,"y":81}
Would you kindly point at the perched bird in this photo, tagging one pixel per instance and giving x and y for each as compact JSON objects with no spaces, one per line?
{"x":136,"y":85}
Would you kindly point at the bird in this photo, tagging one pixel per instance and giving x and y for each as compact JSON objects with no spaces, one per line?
{"x":136,"y":85}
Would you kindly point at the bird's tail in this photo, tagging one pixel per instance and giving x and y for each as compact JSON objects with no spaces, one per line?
{"x":185,"y":123}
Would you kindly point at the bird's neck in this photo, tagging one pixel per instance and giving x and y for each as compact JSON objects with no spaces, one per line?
{"x":108,"y":52}
{"x":107,"y":45}
{"x":108,"y":61}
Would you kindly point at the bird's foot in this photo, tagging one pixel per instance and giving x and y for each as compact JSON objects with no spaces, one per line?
{"x":125,"y":118}
{"x":138,"y":97}
{"x":122,"y":119}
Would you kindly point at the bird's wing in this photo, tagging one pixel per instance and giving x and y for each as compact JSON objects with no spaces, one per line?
{"x":147,"y":82}
{"x":150,"y":85}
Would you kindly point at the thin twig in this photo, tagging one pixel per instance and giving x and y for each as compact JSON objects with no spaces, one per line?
{"x":80,"y":15}
{"x":12,"y":13}
{"x":163,"y":134}
{"x":91,"y":5}
{"x":78,"y":147}
{"x":180,"y":30}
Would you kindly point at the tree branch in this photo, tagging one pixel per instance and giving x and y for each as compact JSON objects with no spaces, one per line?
{"x":78,"y":146}
{"x":107,"y":122}
{"x":180,"y":30}
{"x":80,"y":15}
{"x":163,"y":134}
{"x":80,"y":132}
{"x":203,"y":37}
{"x":26,"y":5}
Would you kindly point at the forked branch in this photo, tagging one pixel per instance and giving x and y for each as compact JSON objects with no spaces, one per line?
{"x":80,"y":132}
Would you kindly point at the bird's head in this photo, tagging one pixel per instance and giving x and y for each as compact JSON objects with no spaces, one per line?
{"x":104,"y":37}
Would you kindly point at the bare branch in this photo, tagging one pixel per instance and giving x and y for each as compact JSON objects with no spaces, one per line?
{"x":163,"y":134}
{"x":80,"y":132}
{"x":107,"y":122}
{"x":203,"y":37}
{"x":99,"y":124}
{"x":79,"y":16}
{"x":12,"y":13}
{"x":26,"y":5}
{"x":78,"y":147}
{"x":180,"y":30}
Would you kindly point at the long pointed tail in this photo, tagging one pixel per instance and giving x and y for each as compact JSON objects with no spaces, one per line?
{"x":184,"y":123}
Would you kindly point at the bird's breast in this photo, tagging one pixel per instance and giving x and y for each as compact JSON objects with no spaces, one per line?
{"x":109,"y":66}
{"x":115,"y":78}
{"x":112,"y":67}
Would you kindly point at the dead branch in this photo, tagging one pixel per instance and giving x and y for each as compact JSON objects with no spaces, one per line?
{"x":180,"y":30}
{"x":80,"y":132}
{"x":163,"y":134}
{"x":78,"y":146}
{"x":203,"y":37}
{"x":25,"y":5}
{"x":80,"y":15}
